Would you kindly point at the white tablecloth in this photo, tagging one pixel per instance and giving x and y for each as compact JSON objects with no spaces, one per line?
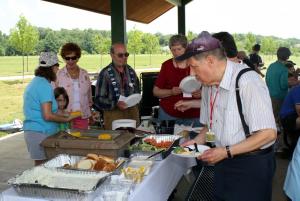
{"x":158,"y":185}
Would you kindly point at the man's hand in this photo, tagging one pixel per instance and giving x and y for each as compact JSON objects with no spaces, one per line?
{"x":187,"y":143}
{"x":213,"y":155}
{"x":197,"y":94}
{"x":175,"y":91}
{"x":182,"y":105}
{"x":121,"y":105}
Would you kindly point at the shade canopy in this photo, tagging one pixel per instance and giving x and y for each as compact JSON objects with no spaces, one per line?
{"x":144,"y":11}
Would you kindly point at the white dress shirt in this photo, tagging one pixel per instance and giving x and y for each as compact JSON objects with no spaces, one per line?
{"x":256,"y":104}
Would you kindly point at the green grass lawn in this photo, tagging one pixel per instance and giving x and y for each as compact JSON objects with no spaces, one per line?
{"x":12,"y":100}
{"x":12,"y":65}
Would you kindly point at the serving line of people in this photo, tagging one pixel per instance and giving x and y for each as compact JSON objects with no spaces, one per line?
{"x":244,"y":129}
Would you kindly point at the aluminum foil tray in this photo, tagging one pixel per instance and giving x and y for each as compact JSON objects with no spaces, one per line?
{"x":136,"y":153}
{"x":162,"y":137}
{"x":28,"y":186}
{"x":60,"y":160}
{"x":53,"y":194}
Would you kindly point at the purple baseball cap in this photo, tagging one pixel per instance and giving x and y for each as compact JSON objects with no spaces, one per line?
{"x":204,"y":42}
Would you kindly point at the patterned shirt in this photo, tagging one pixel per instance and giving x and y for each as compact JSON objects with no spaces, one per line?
{"x":84,"y":83}
{"x":256,"y":104}
{"x":111,"y":84}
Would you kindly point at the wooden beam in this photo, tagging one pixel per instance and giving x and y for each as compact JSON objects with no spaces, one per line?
{"x":118,"y":21}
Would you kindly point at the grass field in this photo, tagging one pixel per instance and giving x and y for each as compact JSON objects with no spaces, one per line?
{"x":10,"y":66}
{"x":12,"y":91}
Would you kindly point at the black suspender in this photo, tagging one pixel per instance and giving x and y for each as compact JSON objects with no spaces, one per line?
{"x":239,"y":102}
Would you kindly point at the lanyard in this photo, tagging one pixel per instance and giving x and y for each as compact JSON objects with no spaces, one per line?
{"x":212,"y":104}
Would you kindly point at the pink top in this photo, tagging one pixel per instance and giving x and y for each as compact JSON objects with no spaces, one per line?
{"x":64,"y":80}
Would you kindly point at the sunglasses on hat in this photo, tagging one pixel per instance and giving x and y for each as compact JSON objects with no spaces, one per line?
{"x":71,"y":58}
{"x":120,"y":55}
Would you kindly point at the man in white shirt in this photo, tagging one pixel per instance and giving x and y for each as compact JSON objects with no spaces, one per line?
{"x":243,"y":156}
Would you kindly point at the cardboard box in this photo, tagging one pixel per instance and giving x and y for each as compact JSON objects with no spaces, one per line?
{"x":64,"y":143}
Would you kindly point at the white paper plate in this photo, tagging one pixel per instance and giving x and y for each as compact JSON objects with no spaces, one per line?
{"x":189,"y":84}
{"x":193,"y":154}
{"x":133,"y":99}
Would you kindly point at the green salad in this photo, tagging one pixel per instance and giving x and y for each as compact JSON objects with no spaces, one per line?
{"x":143,"y":147}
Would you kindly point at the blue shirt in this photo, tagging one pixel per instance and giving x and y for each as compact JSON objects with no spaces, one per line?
{"x":38,"y":91}
{"x":292,"y":179}
{"x":290,"y":101}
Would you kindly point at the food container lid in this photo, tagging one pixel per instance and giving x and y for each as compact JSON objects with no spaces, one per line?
{"x":125,"y":123}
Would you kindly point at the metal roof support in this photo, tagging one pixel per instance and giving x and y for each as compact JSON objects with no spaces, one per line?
{"x":181,"y":18}
{"x":118,"y":21}
{"x":181,"y":15}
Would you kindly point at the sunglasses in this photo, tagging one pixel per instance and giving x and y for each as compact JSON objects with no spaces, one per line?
{"x":71,"y":58}
{"x":120,"y":55}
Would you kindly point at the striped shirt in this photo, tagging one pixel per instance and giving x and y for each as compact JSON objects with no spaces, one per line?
{"x":256,"y":104}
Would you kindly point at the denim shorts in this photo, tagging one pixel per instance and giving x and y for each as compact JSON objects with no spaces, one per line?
{"x":33,"y":141}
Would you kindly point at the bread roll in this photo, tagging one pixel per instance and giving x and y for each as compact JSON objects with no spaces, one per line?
{"x":99,"y":165}
{"x":92,"y":156}
{"x":85,"y":164}
{"x":107,"y":159}
{"x":109,"y":167}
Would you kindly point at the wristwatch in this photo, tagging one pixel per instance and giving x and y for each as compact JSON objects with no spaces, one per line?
{"x":228,"y":152}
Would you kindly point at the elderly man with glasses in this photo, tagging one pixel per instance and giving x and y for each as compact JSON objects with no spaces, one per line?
{"x":115,"y":80}
{"x":237,"y":115}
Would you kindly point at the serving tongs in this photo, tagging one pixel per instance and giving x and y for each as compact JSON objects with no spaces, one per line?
{"x":156,"y":153}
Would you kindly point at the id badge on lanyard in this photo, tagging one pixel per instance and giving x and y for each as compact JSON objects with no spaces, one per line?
{"x":210,"y":135}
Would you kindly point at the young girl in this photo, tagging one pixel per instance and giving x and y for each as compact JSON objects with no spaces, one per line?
{"x":62,"y":100}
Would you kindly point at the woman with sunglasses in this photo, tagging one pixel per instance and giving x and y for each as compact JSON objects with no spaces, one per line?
{"x":77,"y":83}
{"x":167,"y":87}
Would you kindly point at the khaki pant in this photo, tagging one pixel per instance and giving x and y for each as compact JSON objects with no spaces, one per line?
{"x":110,"y":115}
{"x":276,"y":104}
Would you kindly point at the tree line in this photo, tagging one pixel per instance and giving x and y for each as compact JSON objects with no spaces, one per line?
{"x":26,"y":39}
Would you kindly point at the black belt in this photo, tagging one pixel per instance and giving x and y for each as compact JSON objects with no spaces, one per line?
{"x":257,"y":152}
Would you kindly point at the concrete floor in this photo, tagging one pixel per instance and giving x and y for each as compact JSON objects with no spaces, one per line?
{"x":14,"y":159}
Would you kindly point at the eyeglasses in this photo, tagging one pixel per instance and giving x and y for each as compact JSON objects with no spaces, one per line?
{"x":71,"y":58}
{"x":120,"y":55}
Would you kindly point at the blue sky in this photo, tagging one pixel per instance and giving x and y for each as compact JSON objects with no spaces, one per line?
{"x":265,"y":17}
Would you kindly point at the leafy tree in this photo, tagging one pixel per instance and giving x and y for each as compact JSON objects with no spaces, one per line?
{"x":190,"y":35}
{"x":163,"y":39}
{"x":102,"y":45}
{"x":250,"y":41}
{"x":32,"y":38}
{"x":3,"y":43}
{"x":151,"y":44}
{"x":239,"y":41}
{"x":23,"y":38}
{"x":51,"y":42}
{"x":87,"y":42}
{"x":269,"y":45}
{"x":135,"y":43}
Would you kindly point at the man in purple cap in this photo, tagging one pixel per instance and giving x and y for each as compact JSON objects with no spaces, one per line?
{"x":237,"y":113}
